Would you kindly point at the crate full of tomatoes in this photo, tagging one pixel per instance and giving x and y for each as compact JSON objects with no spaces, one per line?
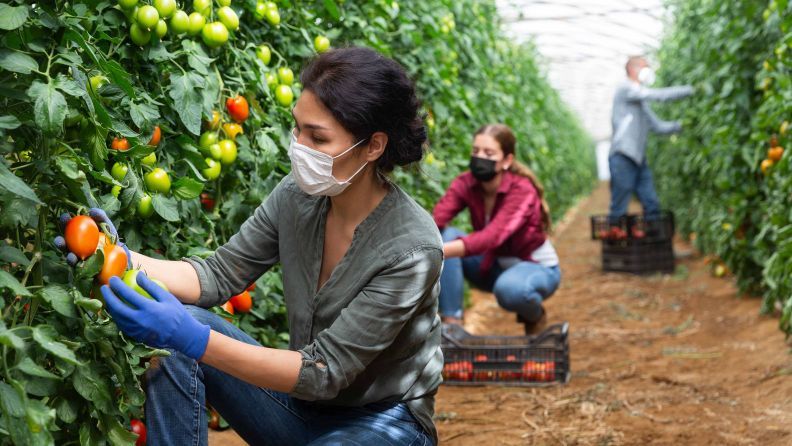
{"x":537,"y":360}
{"x":636,"y":243}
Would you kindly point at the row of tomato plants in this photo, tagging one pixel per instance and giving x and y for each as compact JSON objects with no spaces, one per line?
{"x":174,"y":117}
{"x":727,"y":175}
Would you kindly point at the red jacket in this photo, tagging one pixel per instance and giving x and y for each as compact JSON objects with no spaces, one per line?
{"x":515,"y":226}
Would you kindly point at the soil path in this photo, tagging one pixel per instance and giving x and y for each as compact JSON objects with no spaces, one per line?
{"x":663,"y":360}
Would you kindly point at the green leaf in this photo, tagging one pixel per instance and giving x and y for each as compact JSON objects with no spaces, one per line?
{"x":70,"y":168}
{"x":10,"y":339}
{"x":69,"y":86}
{"x":166,"y":207}
{"x":187,"y":188}
{"x":9,"y":122}
{"x":332,"y":9}
{"x":39,"y":416}
{"x":60,"y":299}
{"x":45,"y":336}
{"x":11,"y":401}
{"x":31,"y":368}
{"x":142,"y":113}
{"x":89,"y":304}
{"x":185,"y":90}
{"x":49,"y":109}
{"x":116,"y":433}
{"x":10,"y":283}
{"x":17,"y":62}
{"x":67,"y":410}
{"x":92,"y":266}
{"x":14,"y":185}
{"x":12,"y":254}
{"x":92,"y":383}
{"x":12,"y":17}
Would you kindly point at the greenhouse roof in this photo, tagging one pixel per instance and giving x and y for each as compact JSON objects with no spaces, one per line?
{"x":585,"y":44}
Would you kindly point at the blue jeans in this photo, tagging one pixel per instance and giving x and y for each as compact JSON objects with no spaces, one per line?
{"x":176,"y":415}
{"x":520,"y":288}
{"x":627,"y":178}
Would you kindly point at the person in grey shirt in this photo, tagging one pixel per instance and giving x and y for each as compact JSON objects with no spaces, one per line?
{"x":361,"y":263}
{"x":632,"y":120}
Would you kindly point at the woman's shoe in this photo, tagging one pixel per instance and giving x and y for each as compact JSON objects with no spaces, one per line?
{"x":532,"y":328}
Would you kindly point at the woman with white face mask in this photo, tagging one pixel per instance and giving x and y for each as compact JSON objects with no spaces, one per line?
{"x":361,"y":265}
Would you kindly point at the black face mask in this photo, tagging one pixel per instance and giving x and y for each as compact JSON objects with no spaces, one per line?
{"x":482,"y":168}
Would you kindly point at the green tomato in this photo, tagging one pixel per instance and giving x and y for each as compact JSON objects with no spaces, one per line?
{"x":147,"y":17}
{"x":180,"y":22}
{"x":130,"y":279}
{"x":273,"y":16}
{"x":116,"y":191}
{"x":261,"y":10}
{"x":284,"y":95}
{"x":272,"y":80}
{"x":228,"y":18}
{"x":212,"y":171}
{"x":214,"y":151}
{"x":144,"y":206}
{"x":321,"y":44}
{"x":119,"y":171}
{"x":286,"y":75}
{"x":197,"y":22}
{"x":207,"y":139}
{"x":203,"y":7}
{"x":166,"y":8}
{"x":271,"y":6}
{"x":127,"y":4}
{"x":214,"y":34}
{"x":158,"y":181}
{"x":228,"y":151}
{"x":161,"y":29}
{"x":97,"y":82}
{"x":224,"y":2}
{"x":264,"y":53}
{"x":139,"y":35}
{"x":149,"y":160}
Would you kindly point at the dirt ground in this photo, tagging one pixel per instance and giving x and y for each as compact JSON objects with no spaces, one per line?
{"x":662,"y":360}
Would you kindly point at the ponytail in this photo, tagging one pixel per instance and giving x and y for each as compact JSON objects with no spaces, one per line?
{"x":522,"y":170}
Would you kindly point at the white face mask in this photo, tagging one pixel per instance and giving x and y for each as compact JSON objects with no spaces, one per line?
{"x":646,"y":76}
{"x":313,"y":170}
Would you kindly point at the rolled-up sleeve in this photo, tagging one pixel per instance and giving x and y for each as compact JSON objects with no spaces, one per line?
{"x":450,"y":204}
{"x":516,"y":209}
{"x":247,"y":255}
{"x":368,"y":325}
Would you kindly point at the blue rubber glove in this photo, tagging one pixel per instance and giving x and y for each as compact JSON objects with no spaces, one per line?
{"x":161,"y":322}
{"x":99,"y":216}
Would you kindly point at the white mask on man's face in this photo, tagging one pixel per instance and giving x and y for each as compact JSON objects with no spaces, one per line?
{"x":646,"y":76}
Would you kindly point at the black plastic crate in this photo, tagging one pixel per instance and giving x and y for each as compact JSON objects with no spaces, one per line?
{"x":538,"y":360}
{"x":638,"y":256}
{"x":633,"y":227}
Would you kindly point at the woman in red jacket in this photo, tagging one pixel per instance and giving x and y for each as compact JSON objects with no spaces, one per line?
{"x":508,"y":253}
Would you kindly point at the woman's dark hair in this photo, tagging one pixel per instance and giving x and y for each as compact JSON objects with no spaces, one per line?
{"x":367,"y":92}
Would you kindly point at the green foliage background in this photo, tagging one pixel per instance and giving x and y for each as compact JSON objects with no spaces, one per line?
{"x":737,"y":55}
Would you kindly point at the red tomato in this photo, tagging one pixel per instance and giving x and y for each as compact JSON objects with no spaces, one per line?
{"x":481,"y":358}
{"x":238,"y":108}
{"x":458,"y":371}
{"x":120,"y":144}
{"x":242,"y":302}
{"x":529,"y":369}
{"x":252,"y":287}
{"x":638,"y":233}
{"x":207,"y":201}
{"x":82,"y":236}
{"x":115,"y":263}
{"x":155,"y":138}
{"x":228,"y":307}
{"x":137,"y":427}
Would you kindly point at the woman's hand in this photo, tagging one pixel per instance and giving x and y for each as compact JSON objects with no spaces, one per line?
{"x":454,"y":248}
{"x":160,"y":321}
{"x":103,"y":221}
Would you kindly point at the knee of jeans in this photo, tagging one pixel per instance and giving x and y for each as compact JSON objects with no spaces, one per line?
{"x":204,"y":316}
{"x":450,"y":234}
{"x":513,"y":298}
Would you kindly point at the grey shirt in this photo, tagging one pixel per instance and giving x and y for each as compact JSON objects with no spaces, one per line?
{"x":371,"y":333}
{"x":632,"y":118}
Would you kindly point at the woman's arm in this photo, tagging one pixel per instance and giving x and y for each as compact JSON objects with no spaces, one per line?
{"x":269,"y":368}
{"x":179,"y":276}
{"x":450,"y":204}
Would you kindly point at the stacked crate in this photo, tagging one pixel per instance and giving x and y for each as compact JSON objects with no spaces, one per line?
{"x":638,"y":244}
